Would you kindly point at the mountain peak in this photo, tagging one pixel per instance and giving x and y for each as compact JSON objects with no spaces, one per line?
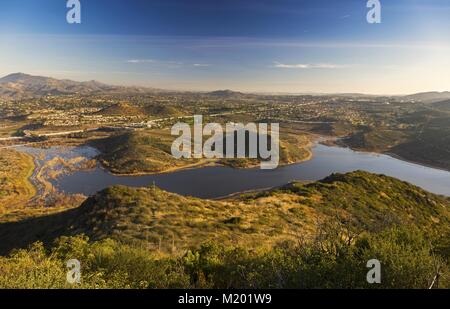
{"x":20,"y":86}
{"x":14,"y":77}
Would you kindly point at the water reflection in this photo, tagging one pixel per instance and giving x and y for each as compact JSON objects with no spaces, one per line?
{"x":212,"y":182}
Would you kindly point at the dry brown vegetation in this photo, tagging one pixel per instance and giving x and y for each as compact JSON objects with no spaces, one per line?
{"x":15,"y":187}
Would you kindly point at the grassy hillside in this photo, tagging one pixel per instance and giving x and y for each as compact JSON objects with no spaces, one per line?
{"x":122,"y":109}
{"x":374,"y":139}
{"x":442,"y":106}
{"x":15,"y":188}
{"x":408,"y":260}
{"x":429,"y":145}
{"x":129,"y":109}
{"x":138,"y":152}
{"x":420,"y":136}
{"x":172,"y":223}
{"x":161,"y":110}
{"x":299,"y":236}
{"x":150,"y":152}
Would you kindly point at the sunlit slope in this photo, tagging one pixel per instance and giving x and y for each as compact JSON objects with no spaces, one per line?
{"x":167,"y":221}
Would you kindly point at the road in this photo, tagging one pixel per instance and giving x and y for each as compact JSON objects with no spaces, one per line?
{"x":62,"y":133}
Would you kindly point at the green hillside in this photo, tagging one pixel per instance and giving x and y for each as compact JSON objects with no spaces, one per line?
{"x":129,"y":109}
{"x":138,"y":152}
{"x":173,"y":223}
{"x":421,"y":136}
{"x":122,"y":109}
{"x":299,"y":236}
{"x":161,"y":110}
{"x":141,"y":152}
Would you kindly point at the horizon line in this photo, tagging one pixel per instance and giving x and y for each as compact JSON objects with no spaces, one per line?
{"x":268,"y":92}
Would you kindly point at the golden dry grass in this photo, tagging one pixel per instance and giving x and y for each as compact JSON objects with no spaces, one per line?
{"x":15,"y":187}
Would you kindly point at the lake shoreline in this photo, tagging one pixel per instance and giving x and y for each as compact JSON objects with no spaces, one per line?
{"x":209,"y":180}
{"x":211,"y":163}
{"x":399,"y":157}
{"x":332,"y":142}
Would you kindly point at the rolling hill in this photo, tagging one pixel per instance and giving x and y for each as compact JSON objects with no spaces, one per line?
{"x":121,"y":109}
{"x":129,"y":109}
{"x":429,"y":97}
{"x":23,"y":86}
{"x":137,"y":152}
{"x":442,"y":105}
{"x":158,"y":218}
{"x":225,"y":93}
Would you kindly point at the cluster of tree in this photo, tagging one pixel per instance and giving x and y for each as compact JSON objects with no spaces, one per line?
{"x":334,"y":259}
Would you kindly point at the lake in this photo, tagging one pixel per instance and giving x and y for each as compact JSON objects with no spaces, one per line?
{"x":214,"y":182}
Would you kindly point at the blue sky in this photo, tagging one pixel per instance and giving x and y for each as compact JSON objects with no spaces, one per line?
{"x":246,"y":45}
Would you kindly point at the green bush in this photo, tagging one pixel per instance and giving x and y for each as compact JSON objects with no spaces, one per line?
{"x":334,"y":259}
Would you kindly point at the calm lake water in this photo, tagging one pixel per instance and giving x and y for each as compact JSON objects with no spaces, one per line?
{"x":213,"y":182}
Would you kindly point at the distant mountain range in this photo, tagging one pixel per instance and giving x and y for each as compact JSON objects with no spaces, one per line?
{"x":23,"y":86}
{"x":225,"y":93}
{"x":429,"y":97}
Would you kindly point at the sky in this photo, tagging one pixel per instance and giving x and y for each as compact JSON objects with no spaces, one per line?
{"x":295,"y":46}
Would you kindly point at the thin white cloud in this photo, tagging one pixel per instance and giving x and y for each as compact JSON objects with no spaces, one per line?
{"x":170,"y":64}
{"x":140,"y":61}
{"x":304,"y":66}
{"x":165,"y":63}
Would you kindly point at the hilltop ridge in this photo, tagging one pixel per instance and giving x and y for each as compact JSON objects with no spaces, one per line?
{"x":150,"y":215}
{"x":24,"y":86}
